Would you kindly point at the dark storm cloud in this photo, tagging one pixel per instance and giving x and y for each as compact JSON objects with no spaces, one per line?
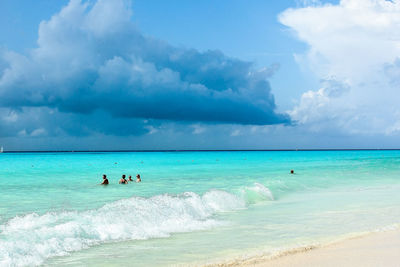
{"x":42,"y":121}
{"x":97,"y":72}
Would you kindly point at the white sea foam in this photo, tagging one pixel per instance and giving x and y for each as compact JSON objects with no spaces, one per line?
{"x":29,"y":240}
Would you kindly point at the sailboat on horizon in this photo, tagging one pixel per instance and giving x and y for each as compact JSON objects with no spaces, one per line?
{"x":1,"y":149}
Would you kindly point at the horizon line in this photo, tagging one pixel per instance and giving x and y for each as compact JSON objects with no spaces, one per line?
{"x":199,"y":150}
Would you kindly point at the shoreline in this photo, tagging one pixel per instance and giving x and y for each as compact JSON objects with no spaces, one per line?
{"x":376,"y":248}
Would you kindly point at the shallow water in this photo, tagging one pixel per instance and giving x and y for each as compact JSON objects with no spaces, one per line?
{"x":191,"y":208}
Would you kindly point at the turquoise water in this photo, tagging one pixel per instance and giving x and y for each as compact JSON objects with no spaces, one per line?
{"x":191,"y":208}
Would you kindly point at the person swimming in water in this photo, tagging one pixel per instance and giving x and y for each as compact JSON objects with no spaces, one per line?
{"x":138,"y":180}
{"x":130,"y":178}
{"x":123,"y":180}
{"x":105,"y":180}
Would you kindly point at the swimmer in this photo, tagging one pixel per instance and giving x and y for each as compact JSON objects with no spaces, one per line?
{"x":292,"y":171}
{"x":123,"y":180}
{"x":130,"y":178}
{"x":138,"y":180}
{"x":105,"y":180}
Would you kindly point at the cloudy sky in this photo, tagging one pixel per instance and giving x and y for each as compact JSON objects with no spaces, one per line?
{"x":229,"y":74}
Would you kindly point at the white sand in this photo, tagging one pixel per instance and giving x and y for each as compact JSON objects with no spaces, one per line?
{"x":377,"y":249}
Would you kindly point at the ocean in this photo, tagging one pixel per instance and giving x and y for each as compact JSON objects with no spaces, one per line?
{"x":191,"y":208}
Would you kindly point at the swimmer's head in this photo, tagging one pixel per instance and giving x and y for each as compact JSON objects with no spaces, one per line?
{"x":138,"y":176}
{"x":104,"y":176}
{"x":123,"y":176}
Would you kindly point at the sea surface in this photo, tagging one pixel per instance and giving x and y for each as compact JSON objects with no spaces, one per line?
{"x":191,"y":208}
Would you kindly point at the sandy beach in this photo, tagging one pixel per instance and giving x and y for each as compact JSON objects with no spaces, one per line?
{"x":376,"y":249}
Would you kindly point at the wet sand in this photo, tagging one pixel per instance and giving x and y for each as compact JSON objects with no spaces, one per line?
{"x":376,"y":249}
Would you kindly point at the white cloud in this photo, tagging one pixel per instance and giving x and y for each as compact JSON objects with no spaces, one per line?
{"x":9,"y":115}
{"x":198,"y":129}
{"x":39,"y":132}
{"x":358,"y":43}
{"x":236,"y":132}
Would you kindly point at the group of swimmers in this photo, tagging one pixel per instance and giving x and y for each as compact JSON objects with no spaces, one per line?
{"x":123,"y":179}
{"x":138,"y":179}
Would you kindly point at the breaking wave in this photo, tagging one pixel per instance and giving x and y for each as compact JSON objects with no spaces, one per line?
{"x":31,"y":239}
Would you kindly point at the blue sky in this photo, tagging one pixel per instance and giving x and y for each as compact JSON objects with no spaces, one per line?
{"x":198,"y":74}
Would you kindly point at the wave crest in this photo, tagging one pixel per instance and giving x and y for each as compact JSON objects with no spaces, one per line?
{"x":256,"y":193}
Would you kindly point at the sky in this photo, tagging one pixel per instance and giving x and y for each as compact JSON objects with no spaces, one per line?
{"x":147,"y":74}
